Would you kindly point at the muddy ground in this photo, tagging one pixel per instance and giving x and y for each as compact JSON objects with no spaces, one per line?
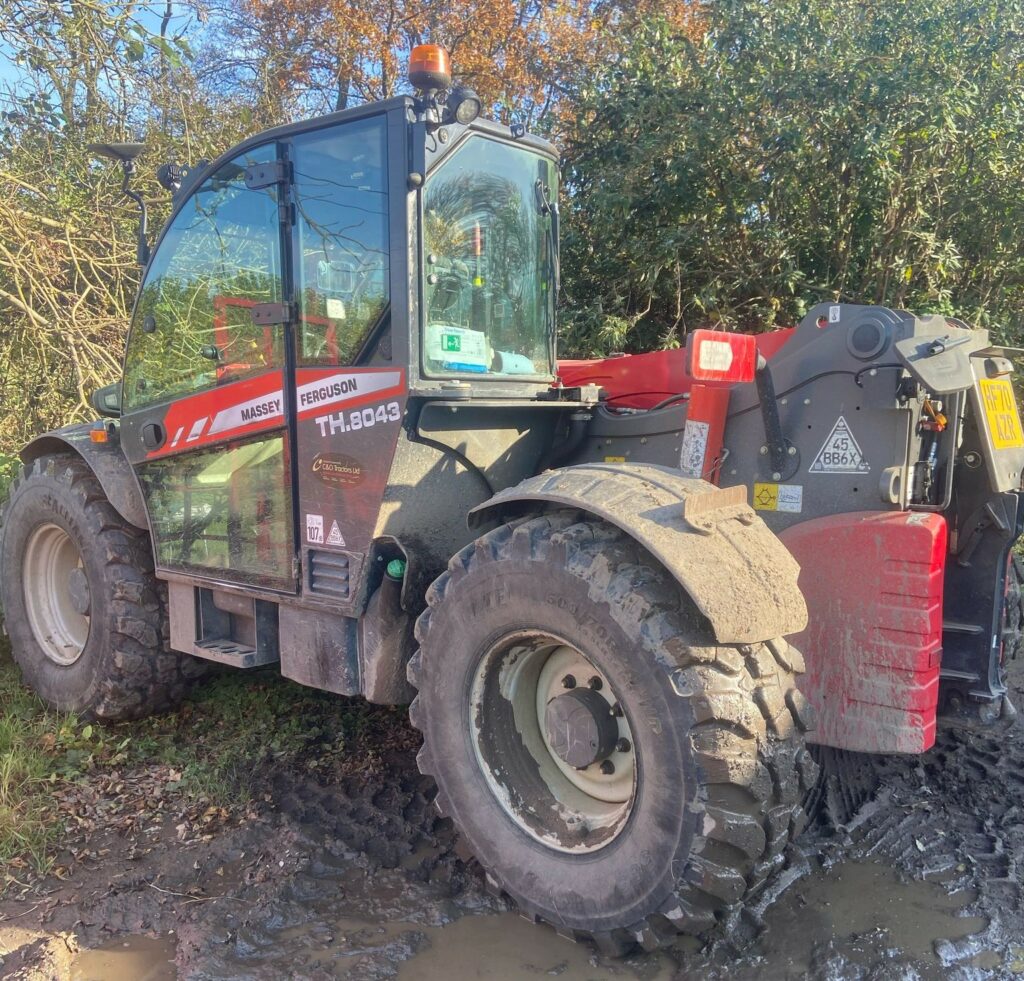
{"x":354,"y":876}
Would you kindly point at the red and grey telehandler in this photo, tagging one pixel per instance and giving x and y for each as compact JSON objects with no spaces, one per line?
{"x":342,"y":445}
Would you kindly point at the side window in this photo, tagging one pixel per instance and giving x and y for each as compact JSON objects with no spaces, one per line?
{"x":227,"y":509}
{"x":341,"y":200}
{"x":193,"y":325}
{"x":490,"y":261}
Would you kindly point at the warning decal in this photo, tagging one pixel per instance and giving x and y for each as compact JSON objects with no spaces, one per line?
{"x":779,"y":497}
{"x":695,"y":445}
{"x":335,"y":537}
{"x":840,"y":453}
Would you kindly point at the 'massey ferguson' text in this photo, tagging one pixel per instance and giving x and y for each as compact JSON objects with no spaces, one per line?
{"x":330,"y":391}
{"x":260,"y":410}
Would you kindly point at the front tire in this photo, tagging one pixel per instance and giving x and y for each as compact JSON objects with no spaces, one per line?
{"x":713,"y":735}
{"x":83,"y":610}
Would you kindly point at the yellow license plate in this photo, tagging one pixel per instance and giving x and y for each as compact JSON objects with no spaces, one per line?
{"x":1001,"y":412}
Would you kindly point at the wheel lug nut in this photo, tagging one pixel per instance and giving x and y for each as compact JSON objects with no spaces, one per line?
{"x":607,"y":767}
{"x":617,"y":710}
{"x":596,"y":683}
{"x":568,"y":681}
{"x":623,"y":745}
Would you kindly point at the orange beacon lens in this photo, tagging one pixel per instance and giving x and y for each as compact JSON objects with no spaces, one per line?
{"x":430,"y":67}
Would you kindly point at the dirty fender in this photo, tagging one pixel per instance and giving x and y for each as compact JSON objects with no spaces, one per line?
{"x":105,"y":460}
{"x":737,"y":572}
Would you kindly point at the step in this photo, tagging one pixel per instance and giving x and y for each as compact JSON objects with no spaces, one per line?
{"x":231,"y":652}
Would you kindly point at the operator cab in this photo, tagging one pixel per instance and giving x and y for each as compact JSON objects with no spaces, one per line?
{"x":318,"y":297}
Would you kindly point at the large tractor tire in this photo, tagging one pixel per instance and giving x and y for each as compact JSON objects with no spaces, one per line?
{"x":618,"y":774}
{"x":83,"y":610}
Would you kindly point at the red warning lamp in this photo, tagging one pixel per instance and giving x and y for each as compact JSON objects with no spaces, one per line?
{"x":717,"y":356}
{"x":430,"y":67}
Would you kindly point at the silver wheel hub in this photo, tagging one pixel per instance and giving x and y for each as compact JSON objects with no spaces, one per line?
{"x":579,"y":728}
{"x":78,"y":591}
{"x":57,"y":596}
{"x":553,"y":742}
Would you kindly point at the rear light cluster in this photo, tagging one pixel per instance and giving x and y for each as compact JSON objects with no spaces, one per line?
{"x":716,"y":356}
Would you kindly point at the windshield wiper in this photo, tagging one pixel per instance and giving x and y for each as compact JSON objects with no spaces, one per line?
{"x":549,"y":209}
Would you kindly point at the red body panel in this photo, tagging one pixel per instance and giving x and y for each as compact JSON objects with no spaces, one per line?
{"x":709,"y":406}
{"x":642,"y":380}
{"x":242,"y":408}
{"x":873,"y":584}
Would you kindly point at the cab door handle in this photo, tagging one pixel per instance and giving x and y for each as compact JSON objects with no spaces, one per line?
{"x":153,"y":435}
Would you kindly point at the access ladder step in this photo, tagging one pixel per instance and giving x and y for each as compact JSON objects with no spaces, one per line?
{"x":231,"y":652}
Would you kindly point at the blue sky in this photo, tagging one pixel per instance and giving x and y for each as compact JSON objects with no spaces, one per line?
{"x":149,"y":15}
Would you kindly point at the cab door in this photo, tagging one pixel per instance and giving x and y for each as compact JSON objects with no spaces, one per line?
{"x":351,"y":340}
{"x":206,"y":383}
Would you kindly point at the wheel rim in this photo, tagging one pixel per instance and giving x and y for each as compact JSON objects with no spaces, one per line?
{"x":56,"y":594}
{"x":553,"y":742}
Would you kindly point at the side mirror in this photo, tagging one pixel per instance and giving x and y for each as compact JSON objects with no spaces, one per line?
{"x":107,"y":400}
{"x":125,"y":154}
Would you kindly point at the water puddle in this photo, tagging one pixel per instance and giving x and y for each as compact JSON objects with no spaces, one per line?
{"x":863,"y":910}
{"x":489,"y":947}
{"x":508,"y":946}
{"x":350,"y":922}
{"x":131,"y":959}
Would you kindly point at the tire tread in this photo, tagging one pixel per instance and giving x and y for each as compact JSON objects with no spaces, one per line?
{"x":140,"y":675}
{"x":744,"y":699}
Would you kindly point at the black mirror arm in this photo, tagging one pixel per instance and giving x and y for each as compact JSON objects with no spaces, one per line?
{"x":142,"y":247}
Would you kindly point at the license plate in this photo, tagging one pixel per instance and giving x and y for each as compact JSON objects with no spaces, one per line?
{"x":1001,"y":414}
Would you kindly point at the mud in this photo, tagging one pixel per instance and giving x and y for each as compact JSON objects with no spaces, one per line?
{"x":357,"y":877}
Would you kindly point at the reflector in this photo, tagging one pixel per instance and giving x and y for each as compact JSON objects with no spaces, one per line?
{"x":719,"y":356}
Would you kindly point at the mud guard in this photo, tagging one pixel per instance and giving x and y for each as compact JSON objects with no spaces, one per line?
{"x":105,"y":460}
{"x":874,"y":583}
{"x":735,"y":570}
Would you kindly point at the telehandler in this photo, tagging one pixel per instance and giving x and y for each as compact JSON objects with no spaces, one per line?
{"x":342,"y":444}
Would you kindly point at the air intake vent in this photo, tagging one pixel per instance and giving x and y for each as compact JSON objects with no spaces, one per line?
{"x":329,"y":574}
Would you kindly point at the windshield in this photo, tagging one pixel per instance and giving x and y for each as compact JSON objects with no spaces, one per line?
{"x":489,"y":262}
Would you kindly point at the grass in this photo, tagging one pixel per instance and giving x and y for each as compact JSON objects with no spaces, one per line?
{"x":26,"y":825}
{"x":218,"y":747}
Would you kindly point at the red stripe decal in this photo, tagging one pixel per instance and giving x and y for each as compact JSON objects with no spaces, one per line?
{"x":229,"y":412}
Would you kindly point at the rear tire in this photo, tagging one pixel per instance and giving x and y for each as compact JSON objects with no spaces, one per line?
{"x":717,"y":732}
{"x":1014,"y":622}
{"x":83,"y":610}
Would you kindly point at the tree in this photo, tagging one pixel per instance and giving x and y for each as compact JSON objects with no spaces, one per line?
{"x":525,"y":58}
{"x":91,"y":72}
{"x":797,"y":151}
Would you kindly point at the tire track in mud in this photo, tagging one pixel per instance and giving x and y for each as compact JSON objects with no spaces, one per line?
{"x":357,"y":875}
{"x":957,"y":818}
{"x":376,"y":852}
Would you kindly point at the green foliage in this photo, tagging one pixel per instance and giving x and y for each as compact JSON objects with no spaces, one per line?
{"x":9,"y":467}
{"x":83,"y":72}
{"x":25,"y":827}
{"x":801,"y":150}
